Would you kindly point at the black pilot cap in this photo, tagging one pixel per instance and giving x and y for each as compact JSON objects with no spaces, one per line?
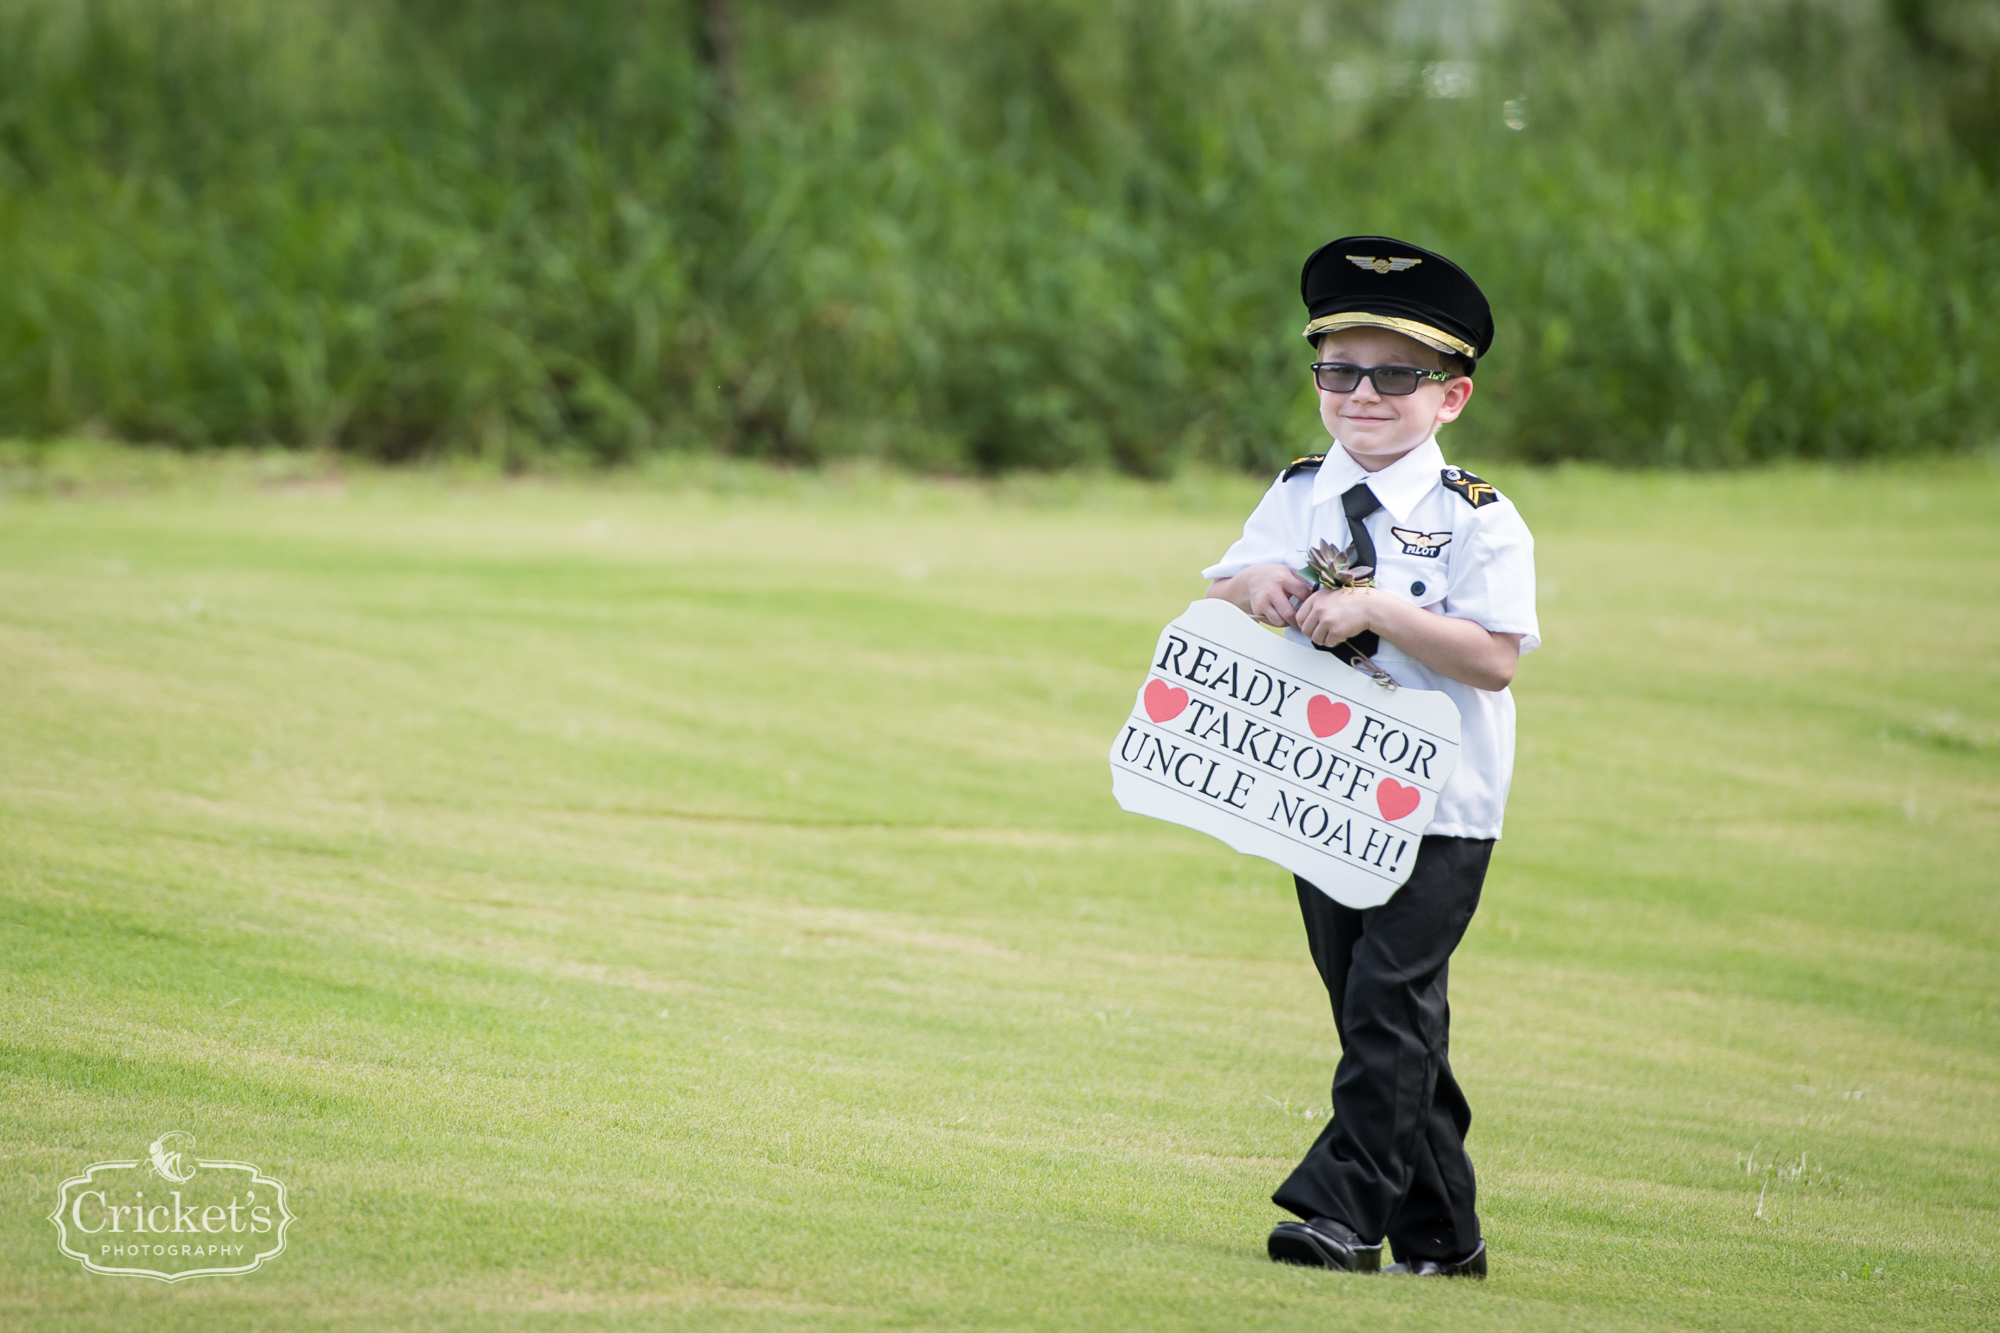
{"x":1373,"y":281}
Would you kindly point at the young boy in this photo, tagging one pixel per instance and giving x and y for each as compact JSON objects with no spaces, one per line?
{"x":1397,"y":331}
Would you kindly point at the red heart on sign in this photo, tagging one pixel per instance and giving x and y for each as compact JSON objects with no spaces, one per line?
{"x":1395,"y":800}
{"x":1325,"y":716}
{"x":1163,"y":702}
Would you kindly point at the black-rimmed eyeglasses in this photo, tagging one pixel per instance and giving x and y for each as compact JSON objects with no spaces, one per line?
{"x":1389,"y":381}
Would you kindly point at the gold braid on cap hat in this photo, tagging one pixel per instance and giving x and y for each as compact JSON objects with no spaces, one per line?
{"x":1427,"y":334}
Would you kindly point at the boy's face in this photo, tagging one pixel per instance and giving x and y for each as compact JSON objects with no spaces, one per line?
{"x":1374,"y":428}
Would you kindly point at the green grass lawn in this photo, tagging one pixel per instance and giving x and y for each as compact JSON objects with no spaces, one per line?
{"x":650,"y":905}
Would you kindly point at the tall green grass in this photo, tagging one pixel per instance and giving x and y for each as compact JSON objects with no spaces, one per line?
{"x":984,"y":233}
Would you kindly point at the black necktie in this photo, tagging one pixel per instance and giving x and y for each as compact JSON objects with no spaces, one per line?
{"x":1358,"y":502}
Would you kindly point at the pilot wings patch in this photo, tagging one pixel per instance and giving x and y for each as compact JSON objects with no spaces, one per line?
{"x":1421,"y":543}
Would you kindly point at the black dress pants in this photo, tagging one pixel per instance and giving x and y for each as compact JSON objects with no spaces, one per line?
{"x":1391,"y":1163}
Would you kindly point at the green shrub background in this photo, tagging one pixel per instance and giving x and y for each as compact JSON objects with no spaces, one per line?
{"x":980,"y":234}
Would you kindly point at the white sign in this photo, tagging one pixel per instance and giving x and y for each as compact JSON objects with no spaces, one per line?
{"x":171,"y":1216}
{"x":1285,"y":752}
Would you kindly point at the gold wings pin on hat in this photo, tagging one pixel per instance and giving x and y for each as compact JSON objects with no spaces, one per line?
{"x":1374,"y":265}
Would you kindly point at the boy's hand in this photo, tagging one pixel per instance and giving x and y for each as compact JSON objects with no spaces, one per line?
{"x":1265,"y":593}
{"x":1333,"y":615}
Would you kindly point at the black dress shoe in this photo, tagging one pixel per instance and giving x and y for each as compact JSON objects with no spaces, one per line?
{"x":1324,"y":1243}
{"x":1472,"y":1265}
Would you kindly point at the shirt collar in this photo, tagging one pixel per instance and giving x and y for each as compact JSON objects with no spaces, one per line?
{"x":1398,"y":486}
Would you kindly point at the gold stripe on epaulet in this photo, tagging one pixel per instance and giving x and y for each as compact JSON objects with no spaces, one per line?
{"x":1474,"y":491}
{"x":1309,"y":463}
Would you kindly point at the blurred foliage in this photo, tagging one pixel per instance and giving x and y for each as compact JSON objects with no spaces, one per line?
{"x":979,"y":234}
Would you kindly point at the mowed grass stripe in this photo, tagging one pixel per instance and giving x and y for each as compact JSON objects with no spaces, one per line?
{"x":614,"y":906}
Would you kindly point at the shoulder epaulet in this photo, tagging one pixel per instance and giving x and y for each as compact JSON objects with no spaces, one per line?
{"x":1310,"y":463}
{"x":1475,"y":491}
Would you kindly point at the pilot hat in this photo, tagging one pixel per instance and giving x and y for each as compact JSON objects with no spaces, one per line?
{"x":1377,"y":282}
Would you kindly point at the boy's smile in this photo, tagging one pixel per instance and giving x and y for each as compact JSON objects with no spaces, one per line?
{"x":1375,"y":428}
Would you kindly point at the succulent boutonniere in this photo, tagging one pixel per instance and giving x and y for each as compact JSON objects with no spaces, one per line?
{"x":1328,"y":568}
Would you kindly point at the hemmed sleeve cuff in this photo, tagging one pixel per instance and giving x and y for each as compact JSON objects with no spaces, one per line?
{"x":1462,"y":831}
{"x":1530,"y":640}
{"x":1231,"y":565}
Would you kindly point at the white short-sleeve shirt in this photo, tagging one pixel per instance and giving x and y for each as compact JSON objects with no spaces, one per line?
{"x":1436,"y":550}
